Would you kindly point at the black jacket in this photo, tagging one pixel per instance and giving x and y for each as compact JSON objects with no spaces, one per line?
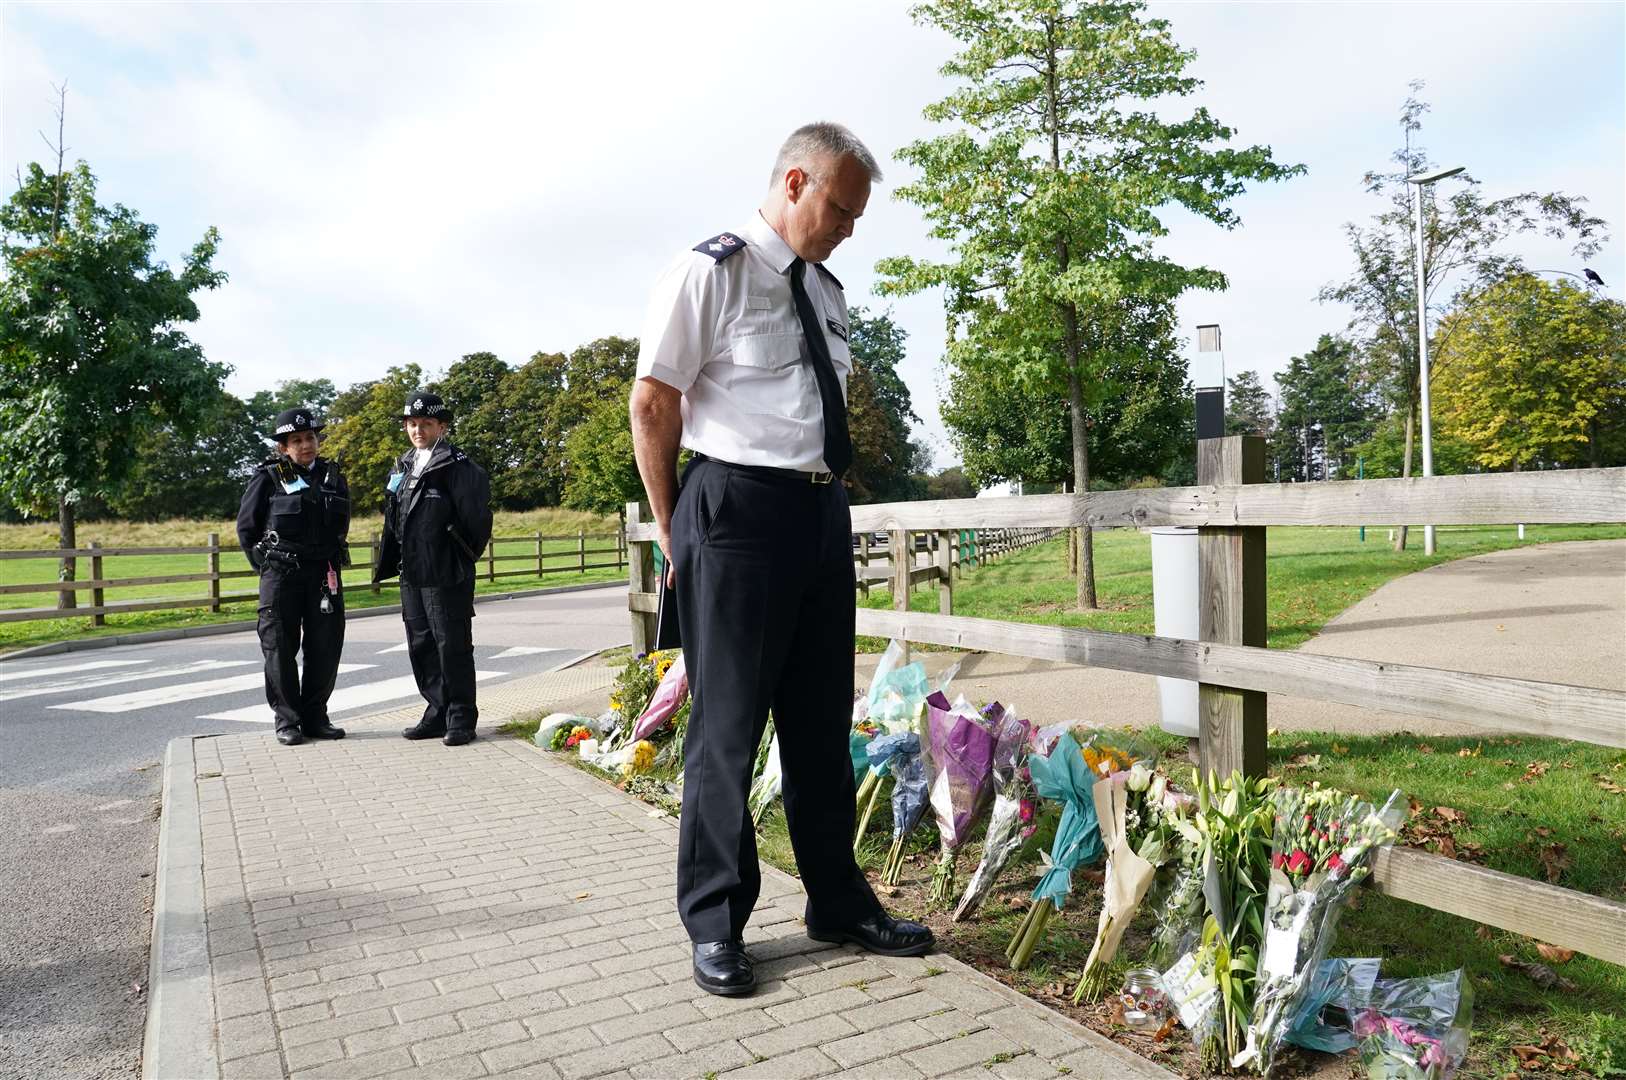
{"x":436,"y":523}
{"x":311,"y":524}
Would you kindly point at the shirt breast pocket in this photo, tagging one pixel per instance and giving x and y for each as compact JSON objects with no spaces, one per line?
{"x":768,"y":377}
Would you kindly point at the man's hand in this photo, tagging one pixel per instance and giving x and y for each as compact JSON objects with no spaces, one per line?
{"x":657,"y":427}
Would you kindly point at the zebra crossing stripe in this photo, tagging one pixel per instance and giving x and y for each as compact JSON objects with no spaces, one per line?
{"x":350,"y":697}
{"x":168,"y":695}
{"x":74,"y":686}
{"x":11,"y":675}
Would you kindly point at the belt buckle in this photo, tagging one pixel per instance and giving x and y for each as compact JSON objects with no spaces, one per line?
{"x":821,"y":477}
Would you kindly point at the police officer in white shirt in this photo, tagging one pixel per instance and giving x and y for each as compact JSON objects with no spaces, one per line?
{"x":744,"y":361}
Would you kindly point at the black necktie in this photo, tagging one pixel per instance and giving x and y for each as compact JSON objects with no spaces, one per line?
{"x":838,"y":444}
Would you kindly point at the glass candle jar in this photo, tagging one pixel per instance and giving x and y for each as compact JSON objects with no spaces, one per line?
{"x":1145,"y":1005}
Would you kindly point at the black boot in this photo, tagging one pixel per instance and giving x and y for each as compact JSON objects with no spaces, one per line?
{"x":723,"y":968}
{"x":324,"y":730}
{"x":290,"y":736}
{"x":424,"y":730}
{"x":459,"y":737}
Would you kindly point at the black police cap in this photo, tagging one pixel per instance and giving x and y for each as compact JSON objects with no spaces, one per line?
{"x":430,"y":405}
{"x":291,"y":420}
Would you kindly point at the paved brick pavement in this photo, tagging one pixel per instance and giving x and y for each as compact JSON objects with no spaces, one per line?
{"x":380,"y":908}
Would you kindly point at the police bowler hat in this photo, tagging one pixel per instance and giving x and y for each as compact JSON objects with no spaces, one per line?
{"x":430,"y":405}
{"x":291,"y":420}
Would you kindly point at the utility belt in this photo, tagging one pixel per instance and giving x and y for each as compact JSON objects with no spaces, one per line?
{"x":275,"y":549}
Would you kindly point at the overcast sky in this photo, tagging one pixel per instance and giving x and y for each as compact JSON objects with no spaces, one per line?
{"x":403,"y":183}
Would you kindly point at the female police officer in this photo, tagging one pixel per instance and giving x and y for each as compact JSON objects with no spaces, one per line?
{"x":292,"y":525}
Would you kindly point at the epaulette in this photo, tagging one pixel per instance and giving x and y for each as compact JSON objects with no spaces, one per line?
{"x":720,"y":246}
{"x":833,"y":279}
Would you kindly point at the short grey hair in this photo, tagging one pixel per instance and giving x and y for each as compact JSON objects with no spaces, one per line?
{"x":814,"y":143}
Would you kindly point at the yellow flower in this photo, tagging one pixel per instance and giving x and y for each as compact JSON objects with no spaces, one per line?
{"x":643,"y":757}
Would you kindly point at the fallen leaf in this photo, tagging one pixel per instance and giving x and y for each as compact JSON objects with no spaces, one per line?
{"x":583,"y":895}
{"x":1415,"y":806}
{"x":1567,"y":764}
{"x":1339,"y":749}
{"x":1306,"y":761}
{"x":1500,"y":627}
{"x":1529,"y":1055}
{"x":1554,"y":953}
{"x":1448,"y":813}
{"x":1484,"y":933}
{"x":1543,"y":832}
{"x":1554,"y":861}
{"x":1167,"y":1029}
{"x":1610,"y":786}
{"x":1424,"y":748}
{"x":1465,"y":752}
{"x":1540,"y":974}
{"x":1534,"y":771}
{"x":1447,"y":847}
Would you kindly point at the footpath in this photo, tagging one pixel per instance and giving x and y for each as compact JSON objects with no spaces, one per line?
{"x":378,"y":908}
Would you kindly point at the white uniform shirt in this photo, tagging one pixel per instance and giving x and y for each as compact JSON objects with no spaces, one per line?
{"x":422,"y":460}
{"x":725,"y":333}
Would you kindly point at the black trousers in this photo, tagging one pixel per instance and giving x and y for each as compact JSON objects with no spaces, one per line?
{"x":440,"y":643}
{"x":765,"y":599}
{"x":290,"y":610}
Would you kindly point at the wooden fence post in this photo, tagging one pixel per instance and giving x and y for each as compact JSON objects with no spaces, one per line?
{"x":96,"y":595}
{"x":376,"y":546}
{"x":537,"y":537}
{"x":621,"y":545}
{"x":214,"y":572}
{"x":581,"y":551}
{"x":491,"y":559}
{"x":863,"y":562}
{"x":640,"y":579}
{"x":1231,"y":611}
{"x":902,"y":562}
{"x":945,"y":573}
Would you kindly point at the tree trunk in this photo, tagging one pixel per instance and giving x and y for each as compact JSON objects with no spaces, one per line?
{"x":65,"y":541}
{"x":1405,"y":465}
{"x":1081,"y":468}
{"x":1594,"y":449}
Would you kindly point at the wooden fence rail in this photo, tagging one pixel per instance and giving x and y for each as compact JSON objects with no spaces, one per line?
{"x":539,"y":561}
{"x":1236,"y":674}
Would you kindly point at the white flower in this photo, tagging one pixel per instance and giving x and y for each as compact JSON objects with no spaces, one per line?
{"x":1140,"y":776}
{"x":1160,"y":784}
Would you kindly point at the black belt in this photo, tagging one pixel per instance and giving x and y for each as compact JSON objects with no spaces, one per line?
{"x":773,"y":472}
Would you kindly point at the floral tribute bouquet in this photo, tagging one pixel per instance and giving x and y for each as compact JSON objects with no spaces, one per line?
{"x":670,"y":695}
{"x":894,"y":705}
{"x":1011,"y":820}
{"x":960,"y":751}
{"x":1138,"y":813}
{"x":1068,"y":775}
{"x":769,"y":780}
{"x":1323,"y":845}
{"x":1415,"y":1029}
{"x":901,"y":753}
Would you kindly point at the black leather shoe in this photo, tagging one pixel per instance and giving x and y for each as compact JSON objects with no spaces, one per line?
{"x":460,"y":737}
{"x":290,"y":736}
{"x":423,"y":731}
{"x":324,"y":731}
{"x":882,"y":934}
{"x":723,"y":968}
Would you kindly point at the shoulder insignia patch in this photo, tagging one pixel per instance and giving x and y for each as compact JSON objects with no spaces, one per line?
{"x":720,"y":246}
{"x":833,"y":279}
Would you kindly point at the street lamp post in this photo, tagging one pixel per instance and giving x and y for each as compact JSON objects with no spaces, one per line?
{"x":1418,"y":181}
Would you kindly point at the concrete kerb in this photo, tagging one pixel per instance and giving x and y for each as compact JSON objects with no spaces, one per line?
{"x":240,"y":625}
{"x":180,"y":1032}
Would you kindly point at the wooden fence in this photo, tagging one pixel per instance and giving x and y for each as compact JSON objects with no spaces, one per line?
{"x":546,"y":555}
{"x":1231,"y":506}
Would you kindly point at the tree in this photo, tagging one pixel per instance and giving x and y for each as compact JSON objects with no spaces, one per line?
{"x":91,"y":354}
{"x":472,"y":389}
{"x":1325,"y":410}
{"x":1532,"y":373}
{"x":1463,"y":237}
{"x":1010,"y":430}
{"x":364,"y":433}
{"x":1049,"y":194}
{"x":315,"y":394}
{"x":199,"y":476}
{"x":950,"y":483}
{"x":879,"y":411}
{"x":1383,"y":455}
{"x":602,"y":474}
{"x":1248,"y":408}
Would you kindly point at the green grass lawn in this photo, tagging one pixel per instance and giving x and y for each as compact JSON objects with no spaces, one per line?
{"x":559,"y":561}
{"x":1313,"y":575}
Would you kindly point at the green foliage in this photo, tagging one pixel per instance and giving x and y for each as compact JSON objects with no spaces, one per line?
{"x":364,"y":433}
{"x":1384,"y":453}
{"x":879,"y":411}
{"x":472,"y":389}
{"x":91,"y":355}
{"x":950,"y":483}
{"x":1531,"y":373}
{"x":316,"y":395}
{"x":1325,"y":410}
{"x":199,"y":476}
{"x":603,"y":473}
{"x":1248,"y":408}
